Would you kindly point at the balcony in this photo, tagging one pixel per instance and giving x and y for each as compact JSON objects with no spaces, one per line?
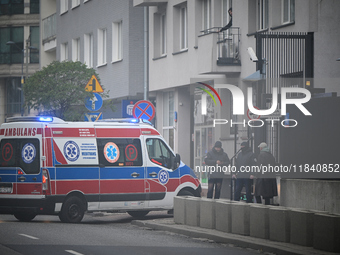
{"x":218,"y":52}
{"x":148,"y":2}
{"x":49,"y":33}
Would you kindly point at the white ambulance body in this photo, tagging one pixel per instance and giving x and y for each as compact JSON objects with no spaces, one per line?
{"x":52,"y":167}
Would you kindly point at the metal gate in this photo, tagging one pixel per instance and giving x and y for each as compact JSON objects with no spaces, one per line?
{"x":285,"y":60}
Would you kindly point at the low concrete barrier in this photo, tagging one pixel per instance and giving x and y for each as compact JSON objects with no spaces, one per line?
{"x":179,"y":210}
{"x":241,"y":218}
{"x":279,"y":224}
{"x":301,"y":227}
{"x":223,"y":215}
{"x":192,"y":211}
{"x":207,"y":213}
{"x":259,"y":221}
{"x":326,"y":232}
{"x":298,"y":226}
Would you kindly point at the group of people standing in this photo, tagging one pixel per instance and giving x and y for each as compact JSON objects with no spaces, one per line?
{"x":265,"y":188}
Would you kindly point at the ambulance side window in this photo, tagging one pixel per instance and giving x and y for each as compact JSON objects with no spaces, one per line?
{"x":23,"y":153}
{"x":159,"y":153}
{"x":119,"y":152}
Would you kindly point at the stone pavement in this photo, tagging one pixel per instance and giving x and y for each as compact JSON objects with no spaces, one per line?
{"x":263,"y":245}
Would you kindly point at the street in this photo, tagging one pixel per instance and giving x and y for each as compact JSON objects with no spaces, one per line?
{"x":100,"y":234}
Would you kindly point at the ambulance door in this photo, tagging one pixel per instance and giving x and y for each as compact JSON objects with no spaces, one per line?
{"x":162,"y":176}
{"x":122,"y":173}
{"x":20,"y":164}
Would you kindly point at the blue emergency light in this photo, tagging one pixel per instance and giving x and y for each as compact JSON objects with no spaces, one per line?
{"x":45,"y":119}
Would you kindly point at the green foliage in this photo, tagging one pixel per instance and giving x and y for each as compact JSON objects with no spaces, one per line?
{"x":59,"y":90}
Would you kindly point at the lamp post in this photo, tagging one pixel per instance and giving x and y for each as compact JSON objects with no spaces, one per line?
{"x":22,"y":69}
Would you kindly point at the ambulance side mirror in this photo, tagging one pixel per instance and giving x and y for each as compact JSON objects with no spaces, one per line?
{"x":176,"y":161}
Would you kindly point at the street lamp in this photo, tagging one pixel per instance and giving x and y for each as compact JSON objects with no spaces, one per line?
{"x":22,"y":69}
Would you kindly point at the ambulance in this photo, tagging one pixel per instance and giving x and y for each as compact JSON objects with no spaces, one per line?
{"x":52,"y":167}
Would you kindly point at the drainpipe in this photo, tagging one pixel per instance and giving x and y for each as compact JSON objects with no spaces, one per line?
{"x":146,"y":53}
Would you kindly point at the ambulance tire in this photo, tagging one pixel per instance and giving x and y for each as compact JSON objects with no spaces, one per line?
{"x":73,"y":210}
{"x":138,"y":214}
{"x":25,"y":216}
{"x":185,"y":193}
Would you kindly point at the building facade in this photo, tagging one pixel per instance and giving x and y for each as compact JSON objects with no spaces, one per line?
{"x":19,"y":52}
{"x":296,"y":46}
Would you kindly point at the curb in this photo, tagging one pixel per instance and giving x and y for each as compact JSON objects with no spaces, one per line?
{"x":262,"y":245}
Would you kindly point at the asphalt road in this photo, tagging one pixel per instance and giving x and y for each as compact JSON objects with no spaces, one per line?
{"x":100,"y":234}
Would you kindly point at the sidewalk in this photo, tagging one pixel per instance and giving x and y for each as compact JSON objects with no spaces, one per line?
{"x":262,"y":245}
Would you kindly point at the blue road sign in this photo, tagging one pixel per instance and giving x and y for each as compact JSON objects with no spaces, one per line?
{"x":94,"y":103}
{"x":144,"y":110}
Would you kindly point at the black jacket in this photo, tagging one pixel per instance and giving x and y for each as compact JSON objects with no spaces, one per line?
{"x":211,"y":159}
{"x":245,"y":158}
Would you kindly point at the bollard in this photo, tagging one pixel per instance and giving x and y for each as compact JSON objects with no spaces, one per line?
{"x":192,"y":211}
{"x":207,"y":213}
{"x":326,"y":232}
{"x":179,"y":209}
{"x":301,"y":227}
{"x":241,"y":218}
{"x":223,"y":215}
{"x":279,"y":224}
{"x":259,"y":221}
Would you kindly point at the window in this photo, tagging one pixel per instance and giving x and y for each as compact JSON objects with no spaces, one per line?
{"x":288,"y":9}
{"x":63,"y":6}
{"x":226,"y":4}
{"x":76,"y":49}
{"x":101,"y":47}
{"x":159,"y":153}
{"x":21,"y":153}
{"x":163,"y":34}
{"x":13,"y":96}
{"x":34,"y":43}
{"x":169,"y":117}
{"x":11,"y":54}
{"x":117,"y":41}
{"x":10,"y":7}
{"x":64,"y":51}
{"x":35,"y":6}
{"x":183,"y":28}
{"x":88,"y":50}
{"x":206,"y":14}
{"x":75,"y":3}
{"x":119,"y":152}
{"x":262,"y":14}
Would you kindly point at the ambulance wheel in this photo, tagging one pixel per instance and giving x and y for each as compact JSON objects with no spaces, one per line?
{"x":25,"y":216}
{"x":184,"y":193}
{"x":138,"y":214}
{"x":73,"y":210}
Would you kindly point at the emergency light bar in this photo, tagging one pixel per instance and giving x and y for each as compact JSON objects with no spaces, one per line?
{"x":46,"y":119}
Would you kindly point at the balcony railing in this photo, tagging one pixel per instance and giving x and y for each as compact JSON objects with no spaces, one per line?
{"x":49,"y":28}
{"x":227,"y":45}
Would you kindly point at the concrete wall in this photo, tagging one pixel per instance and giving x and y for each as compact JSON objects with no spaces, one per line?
{"x":323,"y":195}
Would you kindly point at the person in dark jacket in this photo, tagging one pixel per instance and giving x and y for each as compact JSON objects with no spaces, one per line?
{"x":230,"y":11}
{"x":265,"y":187}
{"x":216,"y":157}
{"x":244,"y":158}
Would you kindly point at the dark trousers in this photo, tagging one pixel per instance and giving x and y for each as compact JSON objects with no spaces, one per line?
{"x":266,"y":200}
{"x":239,"y":183}
{"x":217,"y":183}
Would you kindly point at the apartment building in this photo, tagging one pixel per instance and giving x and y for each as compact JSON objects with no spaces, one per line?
{"x":295,"y":43}
{"x":19,"y":51}
{"x":107,"y":36}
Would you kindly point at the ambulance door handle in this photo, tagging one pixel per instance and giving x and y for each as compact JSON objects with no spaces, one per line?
{"x":22,"y":178}
{"x":34,"y":179}
{"x":153,"y":174}
{"x":135,"y":175}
